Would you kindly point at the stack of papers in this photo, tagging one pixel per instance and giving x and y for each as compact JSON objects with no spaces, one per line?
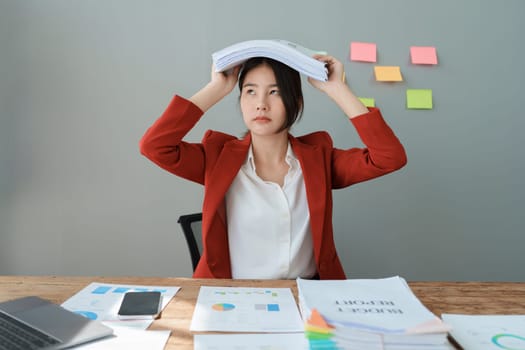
{"x":368,"y":314}
{"x":291,"y":54}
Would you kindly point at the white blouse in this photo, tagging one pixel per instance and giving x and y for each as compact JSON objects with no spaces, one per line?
{"x":269,"y":232}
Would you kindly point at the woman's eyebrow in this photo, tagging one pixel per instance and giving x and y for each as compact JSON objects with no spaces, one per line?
{"x":256,"y":85}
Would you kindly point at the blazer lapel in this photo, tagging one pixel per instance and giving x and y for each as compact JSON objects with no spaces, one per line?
{"x":226,"y":168}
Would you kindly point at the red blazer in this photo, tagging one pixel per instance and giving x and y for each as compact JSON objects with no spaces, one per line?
{"x":215,"y":162}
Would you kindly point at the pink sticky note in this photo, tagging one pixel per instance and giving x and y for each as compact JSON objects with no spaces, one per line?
{"x":423,"y":55}
{"x":365,"y":52}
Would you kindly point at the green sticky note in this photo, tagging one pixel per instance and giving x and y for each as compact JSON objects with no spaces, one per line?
{"x":419,"y":99}
{"x":317,"y":336}
{"x":367,"y":101}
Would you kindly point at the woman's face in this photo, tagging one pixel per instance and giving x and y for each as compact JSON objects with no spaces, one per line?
{"x":262,"y":107}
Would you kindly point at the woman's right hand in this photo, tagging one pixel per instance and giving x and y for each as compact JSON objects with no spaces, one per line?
{"x":225,"y":81}
{"x":220,"y":85}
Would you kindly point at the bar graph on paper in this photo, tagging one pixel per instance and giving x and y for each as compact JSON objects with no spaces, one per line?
{"x":100,"y":301}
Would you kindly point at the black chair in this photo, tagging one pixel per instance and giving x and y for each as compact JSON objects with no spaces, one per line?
{"x":191,"y":226}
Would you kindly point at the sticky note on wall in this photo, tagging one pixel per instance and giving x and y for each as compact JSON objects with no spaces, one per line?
{"x":423,"y":55}
{"x":388,"y":73}
{"x":367,"y":101}
{"x":364,"y":52}
{"x":419,"y":99}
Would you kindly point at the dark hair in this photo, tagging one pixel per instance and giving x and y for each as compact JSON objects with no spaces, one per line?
{"x":289,"y":83}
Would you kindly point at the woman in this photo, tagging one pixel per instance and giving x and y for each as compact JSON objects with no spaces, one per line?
{"x":267,"y":209}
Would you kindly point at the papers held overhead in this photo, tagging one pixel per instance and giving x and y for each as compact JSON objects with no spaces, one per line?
{"x":293,"y":55}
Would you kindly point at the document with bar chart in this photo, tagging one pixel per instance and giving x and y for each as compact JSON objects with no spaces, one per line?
{"x":101,"y":301}
{"x":241,"y":309}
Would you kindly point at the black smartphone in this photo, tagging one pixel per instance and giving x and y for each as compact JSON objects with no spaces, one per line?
{"x":140,"y":305}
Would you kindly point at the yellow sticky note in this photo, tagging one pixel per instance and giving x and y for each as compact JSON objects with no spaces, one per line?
{"x":388,"y":73}
{"x":419,"y":99}
{"x":367,"y":101}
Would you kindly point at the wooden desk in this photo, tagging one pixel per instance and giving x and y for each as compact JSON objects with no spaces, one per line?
{"x":439,"y":297}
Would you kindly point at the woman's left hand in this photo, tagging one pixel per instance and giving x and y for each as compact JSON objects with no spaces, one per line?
{"x":337,"y":89}
{"x":336,"y":75}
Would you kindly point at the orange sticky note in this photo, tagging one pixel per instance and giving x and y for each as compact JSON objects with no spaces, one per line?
{"x":388,"y":73}
{"x":364,"y":52}
{"x":317,"y":320}
{"x":423,"y":55}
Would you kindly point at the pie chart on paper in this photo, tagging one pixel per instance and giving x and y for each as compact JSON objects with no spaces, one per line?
{"x":223,"y":307}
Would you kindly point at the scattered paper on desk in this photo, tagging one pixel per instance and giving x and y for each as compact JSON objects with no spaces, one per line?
{"x":101,"y":301}
{"x":423,"y":55}
{"x":364,"y":52}
{"x":388,"y":73}
{"x":240,"y":309}
{"x":487,"y":331}
{"x":129,"y":339}
{"x":419,"y":99}
{"x":281,"y":341}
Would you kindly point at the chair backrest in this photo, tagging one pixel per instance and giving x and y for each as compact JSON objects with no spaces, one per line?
{"x":191,"y":226}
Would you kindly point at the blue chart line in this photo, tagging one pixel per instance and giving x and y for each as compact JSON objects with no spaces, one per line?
{"x":101,"y":290}
{"x":122,"y":289}
{"x":88,"y":314}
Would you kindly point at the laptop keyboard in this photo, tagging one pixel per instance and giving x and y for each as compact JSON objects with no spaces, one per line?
{"x":15,"y":335}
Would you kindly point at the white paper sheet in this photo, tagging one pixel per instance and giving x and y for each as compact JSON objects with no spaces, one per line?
{"x":101,"y":301}
{"x":281,"y":341}
{"x":487,"y":332}
{"x":129,"y":339}
{"x":239,"y":309}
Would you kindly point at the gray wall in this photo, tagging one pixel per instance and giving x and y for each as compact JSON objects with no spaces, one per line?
{"x":80,"y":81}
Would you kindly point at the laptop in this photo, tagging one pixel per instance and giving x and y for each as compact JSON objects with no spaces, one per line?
{"x":34,"y":323}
